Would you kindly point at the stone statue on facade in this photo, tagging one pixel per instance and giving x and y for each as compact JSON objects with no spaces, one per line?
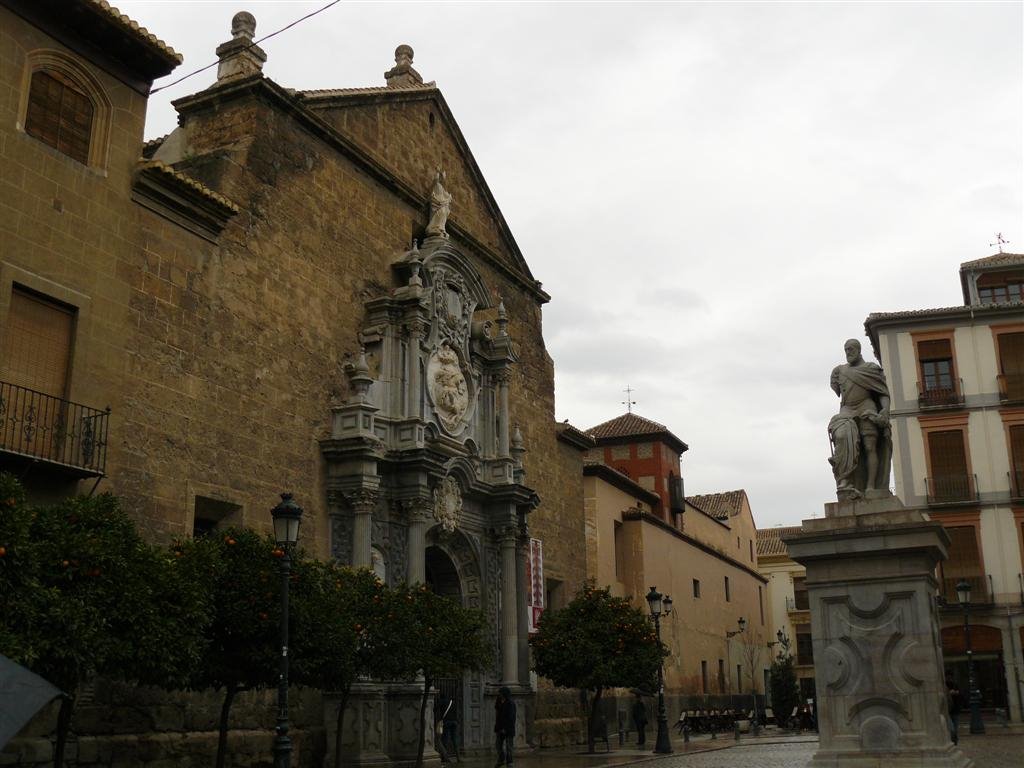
{"x":440,"y":207}
{"x":860,"y":433}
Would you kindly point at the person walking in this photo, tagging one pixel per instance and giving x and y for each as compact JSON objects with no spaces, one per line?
{"x":955,"y":702}
{"x":504,"y":726}
{"x":640,"y":720}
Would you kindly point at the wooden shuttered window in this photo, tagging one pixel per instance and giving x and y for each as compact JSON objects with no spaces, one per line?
{"x":950,"y":480}
{"x":937,"y":349}
{"x":1011,"y":353}
{"x":59,"y":114}
{"x":35,"y":351}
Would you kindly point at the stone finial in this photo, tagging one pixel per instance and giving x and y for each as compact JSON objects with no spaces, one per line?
{"x":243,"y":25}
{"x":359,"y":378}
{"x":402,"y":75}
{"x":502,"y":319}
{"x":240,"y":56}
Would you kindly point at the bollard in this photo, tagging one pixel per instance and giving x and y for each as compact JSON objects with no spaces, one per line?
{"x":736,"y":730}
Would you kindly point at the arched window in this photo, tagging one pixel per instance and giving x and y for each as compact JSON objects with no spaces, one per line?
{"x":59,"y":114}
{"x":64,"y":107}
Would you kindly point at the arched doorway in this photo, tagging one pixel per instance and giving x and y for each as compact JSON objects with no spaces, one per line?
{"x":443,"y":578}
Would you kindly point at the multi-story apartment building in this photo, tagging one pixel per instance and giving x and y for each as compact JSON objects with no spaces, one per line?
{"x":956,"y":378}
{"x":788,"y":606}
{"x":700,"y":550}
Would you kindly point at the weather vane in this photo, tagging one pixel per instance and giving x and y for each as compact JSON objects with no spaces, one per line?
{"x":1000,"y":241}
{"x":629,"y":402}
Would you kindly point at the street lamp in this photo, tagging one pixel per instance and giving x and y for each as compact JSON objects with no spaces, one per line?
{"x":742,"y":624}
{"x":963,"y":594}
{"x":287,"y":516}
{"x":659,"y":605}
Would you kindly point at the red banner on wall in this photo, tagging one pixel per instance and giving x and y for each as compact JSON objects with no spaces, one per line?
{"x":535,"y":583}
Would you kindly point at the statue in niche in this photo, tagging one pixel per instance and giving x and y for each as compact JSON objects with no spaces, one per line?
{"x":448,"y":504}
{"x":440,"y":207}
{"x":447,"y":386}
{"x":860,"y":433}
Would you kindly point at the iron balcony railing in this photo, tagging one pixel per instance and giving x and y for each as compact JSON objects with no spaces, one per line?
{"x":41,"y":426}
{"x":981,"y":589}
{"x":1011,"y":387}
{"x":930,"y":395}
{"x":798,"y":602}
{"x":1016,"y":477}
{"x":951,"y":489}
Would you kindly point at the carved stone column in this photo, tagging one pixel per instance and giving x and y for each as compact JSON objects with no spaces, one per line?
{"x":363,"y":503}
{"x":419,"y":520}
{"x":503,"y":416}
{"x":509,"y":607}
{"x":413,"y":406}
{"x":877,"y":648}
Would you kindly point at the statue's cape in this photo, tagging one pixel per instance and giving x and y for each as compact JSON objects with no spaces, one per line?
{"x":868,"y":375}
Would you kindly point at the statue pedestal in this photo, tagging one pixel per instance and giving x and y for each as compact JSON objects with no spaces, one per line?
{"x":877,"y":652}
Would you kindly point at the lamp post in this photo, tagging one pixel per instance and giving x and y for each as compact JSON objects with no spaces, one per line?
{"x":963,"y":594}
{"x":742,"y":624}
{"x":659,"y":605}
{"x":287,"y":516}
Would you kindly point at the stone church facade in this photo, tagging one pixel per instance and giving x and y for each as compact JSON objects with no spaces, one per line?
{"x":311,"y":291}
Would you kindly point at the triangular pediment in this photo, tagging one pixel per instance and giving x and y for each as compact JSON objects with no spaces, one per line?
{"x":411,"y":132}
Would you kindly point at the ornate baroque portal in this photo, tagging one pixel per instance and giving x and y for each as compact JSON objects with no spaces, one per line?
{"x":422,"y":454}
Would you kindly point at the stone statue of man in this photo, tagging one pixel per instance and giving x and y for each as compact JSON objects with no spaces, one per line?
{"x":440,"y":207}
{"x":860,"y":433}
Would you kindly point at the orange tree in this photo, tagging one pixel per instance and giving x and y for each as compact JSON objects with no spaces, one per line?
{"x":437,"y":638}
{"x":81,"y":594}
{"x":238,"y":569}
{"x":596,"y":642}
{"x":340,"y":622}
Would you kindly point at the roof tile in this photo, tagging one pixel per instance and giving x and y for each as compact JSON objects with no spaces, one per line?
{"x":720,"y":506}
{"x":769,"y":540}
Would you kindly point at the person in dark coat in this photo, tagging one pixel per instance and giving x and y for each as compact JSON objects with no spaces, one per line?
{"x":504,"y":726}
{"x":955,"y":701}
{"x":640,"y":720}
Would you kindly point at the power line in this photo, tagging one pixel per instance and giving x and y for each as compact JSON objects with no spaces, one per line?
{"x":251,"y":45}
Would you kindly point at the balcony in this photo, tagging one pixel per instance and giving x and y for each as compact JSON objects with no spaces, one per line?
{"x":1011,"y":387}
{"x":798,"y":602}
{"x":951,"y":489}
{"x":40,"y":427}
{"x":981,"y":589}
{"x":931,"y":396}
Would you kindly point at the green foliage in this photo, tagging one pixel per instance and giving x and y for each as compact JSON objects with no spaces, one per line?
{"x":785,"y":692}
{"x":336,"y":624}
{"x":241,"y":577}
{"x":82,"y":594}
{"x":598,"y":641}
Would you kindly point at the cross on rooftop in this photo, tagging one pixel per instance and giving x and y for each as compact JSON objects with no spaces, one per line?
{"x":629,"y":402}
{"x":1000,"y":241}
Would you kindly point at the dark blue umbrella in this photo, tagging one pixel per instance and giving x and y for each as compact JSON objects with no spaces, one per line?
{"x":22,"y":694}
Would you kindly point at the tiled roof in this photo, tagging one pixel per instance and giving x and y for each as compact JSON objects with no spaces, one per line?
{"x":179,"y":178}
{"x":875,"y":317}
{"x":618,"y":478}
{"x":139,"y":32}
{"x":327,"y":93}
{"x":574,"y":436}
{"x":769,"y":540}
{"x":720,"y":506}
{"x":631,"y":425}
{"x":995,"y":260}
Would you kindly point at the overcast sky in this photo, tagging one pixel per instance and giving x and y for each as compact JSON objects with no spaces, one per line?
{"x":714,"y":194}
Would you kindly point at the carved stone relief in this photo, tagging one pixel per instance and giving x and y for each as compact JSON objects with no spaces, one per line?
{"x":398,"y":554}
{"x":448,"y":504}
{"x":447,"y":387}
{"x":341,"y":538}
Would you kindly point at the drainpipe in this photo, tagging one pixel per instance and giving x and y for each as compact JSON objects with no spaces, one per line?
{"x":1016,"y":666}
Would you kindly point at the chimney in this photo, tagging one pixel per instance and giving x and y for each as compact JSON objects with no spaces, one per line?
{"x":239,"y":56}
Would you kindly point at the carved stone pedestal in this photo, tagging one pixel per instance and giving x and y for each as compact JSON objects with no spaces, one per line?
{"x":380,"y":726}
{"x":877,"y":651}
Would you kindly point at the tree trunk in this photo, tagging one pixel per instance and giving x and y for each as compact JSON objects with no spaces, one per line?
{"x":225,"y":712}
{"x":592,"y":725}
{"x":423,"y":715}
{"x":67,"y":709}
{"x":341,"y":722}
